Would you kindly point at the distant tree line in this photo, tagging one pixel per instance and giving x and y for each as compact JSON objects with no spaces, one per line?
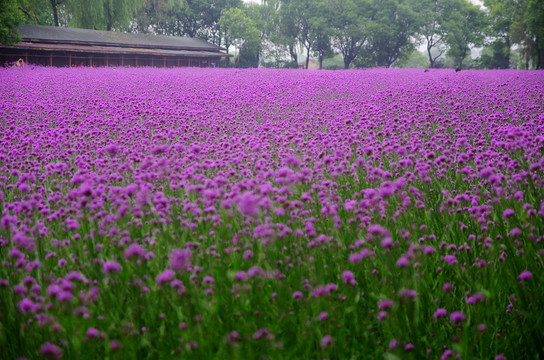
{"x":365,"y":33}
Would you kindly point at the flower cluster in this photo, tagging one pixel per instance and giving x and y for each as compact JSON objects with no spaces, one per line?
{"x":201,"y":213}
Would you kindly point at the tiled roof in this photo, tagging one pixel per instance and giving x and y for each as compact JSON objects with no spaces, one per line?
{"x":51,"y":34}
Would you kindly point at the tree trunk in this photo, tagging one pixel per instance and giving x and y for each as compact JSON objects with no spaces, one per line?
{"x":431,"y":60}
{"x":507,"y":55}
{"x":307,"y":57}
{"x":347,"y":60}
{"x":320,"y":61}
{"x":293,"y":55}
{"x":539,"y":57}
{"x":55,"y":12}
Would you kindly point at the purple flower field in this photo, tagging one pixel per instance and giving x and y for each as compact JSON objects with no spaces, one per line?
{"x":248,"y":214}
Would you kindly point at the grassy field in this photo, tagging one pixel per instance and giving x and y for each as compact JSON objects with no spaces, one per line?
{"x":227,"y":214}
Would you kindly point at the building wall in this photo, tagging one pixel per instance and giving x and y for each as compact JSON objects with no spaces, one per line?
{"x":64,"y":58}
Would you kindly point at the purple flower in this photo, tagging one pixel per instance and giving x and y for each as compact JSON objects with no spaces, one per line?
{"x":446,"y":355}
{"x":180,"y":259}
{"x":92,"y":332}
{"x":165,"y":277}
{"x":408,"y":294}
{"x":525,"y":275}
{"x":50,"y":351}
{"x":26,"y":305}
{"x":382,"y":315}
{"x":440,"y":312}
{"x":387,"y":189}
{"x":349,"y":278}
{"x":326,"y":341}
{"x":376,"y":229}
{"x":249,"y":204}
{"x":297,"y":295}
{"x":240,"y":275}
{"x":134,"y":250}
{"x":487,"y":172}
{"x":457,"y":317}
{"x":385,"y":304}
{"x":403,"y":261}
{"x":450,"y":259}
{"x":508,"y":213}
{"x":322,"y":316}
{"x":111,"y":267}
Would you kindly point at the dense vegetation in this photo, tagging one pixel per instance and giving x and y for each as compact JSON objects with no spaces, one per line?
{"x":218,"y":213}
{"x":366,"y":33}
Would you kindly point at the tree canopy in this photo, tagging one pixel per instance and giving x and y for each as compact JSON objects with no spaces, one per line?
{"x":364,"y":32}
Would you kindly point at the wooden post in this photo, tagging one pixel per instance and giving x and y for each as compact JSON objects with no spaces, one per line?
{"x":26,"y":57}
{"x":122,"y":60}
{"x":164,"y":62}
{"x":198,"y":62}
{"x":91,"y":61}
{"x":107,"y":62}
{"x":136,"y":61}
{"x":70,"y":60}
{"x":50,"y":59}
{"x":178,"y":63}
{"x":152,"y":62}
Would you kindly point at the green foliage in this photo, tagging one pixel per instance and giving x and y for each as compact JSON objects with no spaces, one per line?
{"x":415,"y":59}
{"x":160,"y":17}
{"x":496,"y":55}
{"x":37,"y":12}
{"x":10,"y":18}
{"x":433,"y":15}
{"x":103,"y":14}
{"x":350,"y":19}
{"x":365,"y":32}
{"x":535,"y":26}
{"x":393,"y":24}
{"x":320,"y":31}
{"x":520,"y":22}
{"x":240,"y":31}
{"x":465,"y":28}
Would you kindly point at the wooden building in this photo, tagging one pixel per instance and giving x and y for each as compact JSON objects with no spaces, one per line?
{"x":57,"y":46}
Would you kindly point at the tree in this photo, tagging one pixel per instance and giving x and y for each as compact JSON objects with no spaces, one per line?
{"x":287,"y":30}
{"x":102,"y":14}
{"x":320,"y":24}
{"x":393,"y":24}
{"x":520,"y":22}
{"x":55,"y":9}
{"x":349,"y":27}
{"x":501,"y":19}
{"x":261,"y":17}
{"x":160,"y":17}
{"x":496,"y":55}
{"x":10,"y":18}
{"x":415,"y":59}
{"x":37,"y":12}
{"x":433,"y":16}
{"x":300,"y":10}
{"x":535,"y":26}
{"x":240,"y":30}
{"x":465,"y":28}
